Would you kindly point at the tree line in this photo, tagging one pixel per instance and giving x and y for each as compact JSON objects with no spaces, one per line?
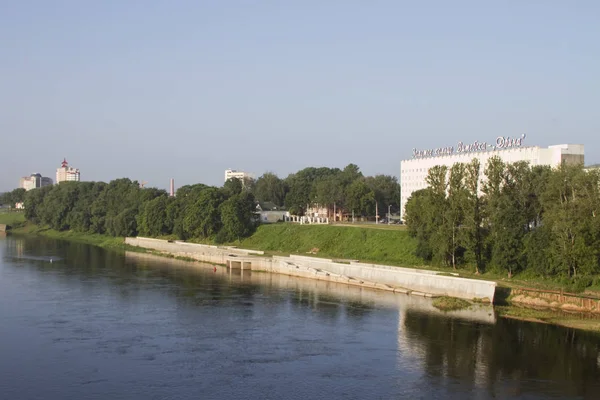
{"x":123,"y":208}
{"x":11,"y":198}
{"x":519,"y":218}
{"x":345,"y":190}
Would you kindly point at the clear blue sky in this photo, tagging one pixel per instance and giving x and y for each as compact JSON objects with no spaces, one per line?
{"x":157,"y":89}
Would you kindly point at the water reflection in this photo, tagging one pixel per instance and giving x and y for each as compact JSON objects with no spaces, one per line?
{"x":138,"y":321}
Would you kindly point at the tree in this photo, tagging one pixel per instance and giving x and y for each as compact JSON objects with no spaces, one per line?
{"x":472,"y":232}
{"x":34,"y":200}
{"x":232,"y":187}
{"x":359,"y":198}
{"x":153,"y":219}
{"x":11,"y":198}
{"x":328,"y":192}
{"x":386,"y":189}
{"x":237,"y":217}
{"x":270,"y":188}
{"x":454,"y":214}
{"x":80,"y":216}
{"x":201,"y":218}
{"x":57,"y":205}
{"x":509,"y":214}
{"x":423,"y":219}
{"x":298,"y":197}
{"x":572,"y":203}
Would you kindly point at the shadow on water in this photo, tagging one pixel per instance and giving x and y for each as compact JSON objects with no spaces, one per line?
{"x":531,"y":358}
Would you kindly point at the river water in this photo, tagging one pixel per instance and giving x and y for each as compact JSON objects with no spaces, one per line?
{"x":80,"y":322}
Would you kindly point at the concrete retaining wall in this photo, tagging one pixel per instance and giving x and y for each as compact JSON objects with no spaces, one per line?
{"x":415,"y":280}
{"x":401,"y":280}
{"x":480,"y":313}
{"x":200,"y":252}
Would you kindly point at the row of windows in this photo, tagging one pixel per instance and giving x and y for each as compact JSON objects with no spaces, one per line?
{"x":414,"y":170}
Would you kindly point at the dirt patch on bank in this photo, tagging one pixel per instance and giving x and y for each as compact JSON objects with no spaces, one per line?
{"x":531,"y":301}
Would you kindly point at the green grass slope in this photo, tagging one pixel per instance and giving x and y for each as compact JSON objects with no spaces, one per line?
{"x":12,"y":218}
{"x":360,"y":243}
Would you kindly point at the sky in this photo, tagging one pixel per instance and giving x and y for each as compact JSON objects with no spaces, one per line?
{"x":153,"y":90}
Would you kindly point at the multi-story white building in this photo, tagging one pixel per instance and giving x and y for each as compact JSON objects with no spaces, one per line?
{"x":34,"y":181}
{"x":414,"y":172}
{"x":66,"y":173}
{"x":232,"y":173}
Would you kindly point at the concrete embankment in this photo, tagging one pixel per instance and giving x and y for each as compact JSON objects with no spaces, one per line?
{"x":322,"y":290}
{"x":394,"y":279}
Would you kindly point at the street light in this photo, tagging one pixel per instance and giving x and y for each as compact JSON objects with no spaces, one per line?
{"x":389,"y":213}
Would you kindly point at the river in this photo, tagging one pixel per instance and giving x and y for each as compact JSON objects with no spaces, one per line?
{"x":81,"y":322}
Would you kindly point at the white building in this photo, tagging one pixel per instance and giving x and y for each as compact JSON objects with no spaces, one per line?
{"x":232,"y":173}
{"x":66,"y":173}
{"x":414,"y":172}
{"x":34,"y":181}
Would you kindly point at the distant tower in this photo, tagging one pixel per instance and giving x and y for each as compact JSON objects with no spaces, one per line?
{"x":66,"y":172}
{"x":172,"y":191}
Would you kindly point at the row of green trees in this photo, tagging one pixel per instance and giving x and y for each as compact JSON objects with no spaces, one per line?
{"x":123,"y":208}
{"x":11,"y":198}
{"x":346,"y":190}
{"x":518,"y":218}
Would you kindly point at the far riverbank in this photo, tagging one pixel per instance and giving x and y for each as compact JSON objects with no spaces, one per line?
{"x":390,"y":247}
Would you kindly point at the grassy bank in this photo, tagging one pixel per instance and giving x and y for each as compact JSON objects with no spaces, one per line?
{"x":12,"y":218}
{"x":385,"y":246}
{"x":445,"y":303}
{"x":105,"y":241}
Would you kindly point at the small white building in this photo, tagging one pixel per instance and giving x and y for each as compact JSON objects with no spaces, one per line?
{"x":270,"y":213}
{"x":413,"y":172}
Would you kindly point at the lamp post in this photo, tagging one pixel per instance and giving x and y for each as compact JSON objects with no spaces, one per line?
{"x":389,"y":213}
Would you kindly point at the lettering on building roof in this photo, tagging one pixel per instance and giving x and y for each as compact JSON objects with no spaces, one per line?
{"x":502,"y":143}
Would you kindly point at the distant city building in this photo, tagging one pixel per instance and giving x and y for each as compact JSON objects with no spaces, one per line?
{"x":34,"y":181}
{"x":413,"y":173}
{"x":593,"y":167}
{"x":232,"y":173}
{"x":66,"y":173}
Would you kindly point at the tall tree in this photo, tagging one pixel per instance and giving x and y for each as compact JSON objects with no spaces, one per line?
{"x":423,"y":218}
{"x":237,"y":217}
{"x":270,"y":188}
{"x":473,"y":233}
{"x":454,"y":214}
{"x":360,"y":198}
{"x":572,"y":205}
{"x":201,"y":217}
{"x":386,"y":190}
{"x":232,"y":187}
{"x":153,"y":217}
